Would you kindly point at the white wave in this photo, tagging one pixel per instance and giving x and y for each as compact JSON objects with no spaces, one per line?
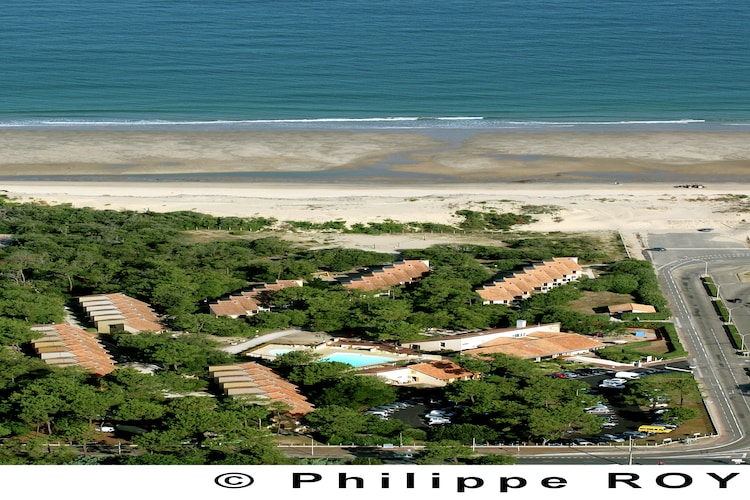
{"x":460,"y":118}
{"x":395,"y":122}
{"x":621,"y":122}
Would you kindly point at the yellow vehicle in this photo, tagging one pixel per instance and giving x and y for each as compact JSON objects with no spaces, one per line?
{"x":654,"y":429}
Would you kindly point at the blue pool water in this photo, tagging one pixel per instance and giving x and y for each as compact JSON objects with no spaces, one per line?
{"x":355,"y":359}
{"x":350,"y":358}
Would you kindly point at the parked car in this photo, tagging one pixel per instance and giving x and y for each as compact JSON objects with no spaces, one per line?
{"x":635,"y":434}
{"x":598,"y":410}
{"x":613,"y":438}
{"x":440,"y":413}
{"x":438,"y":421}
{"x":582,"y":442}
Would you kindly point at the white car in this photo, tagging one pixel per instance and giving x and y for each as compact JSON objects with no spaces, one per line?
{"x":598,"y":410}
{"x":104,"y":428}
{"x":582,"y":442}
{"x":615,"y":380}
{"x":439,"y":421}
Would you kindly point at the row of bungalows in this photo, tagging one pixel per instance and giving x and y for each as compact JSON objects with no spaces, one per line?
{"x":117,"y":312}
{"x":261,"y":383}
{"x":383,"y":278}
{"x":538,"y":278}
{"x":526,"y":342}
{"x":66,"y":345}
{"x":430,"y":374}
{"x":250,"y":302}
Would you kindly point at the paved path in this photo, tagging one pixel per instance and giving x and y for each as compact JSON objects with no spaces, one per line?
{"x":262,"y":339}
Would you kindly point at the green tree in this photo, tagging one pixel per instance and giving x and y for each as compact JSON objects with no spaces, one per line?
{"x":623,"y":283}
{"x":679,"y":414}
{"x":312,"y":374}
{"x":444,"y":452}
{"x":505,"y":366}
{"x":58,"y":394}
{"x":288,"y":361}
{"x":480,"y":396}
{"x":471,"y":363}
{"x":465,"y":433}
{"x":682,"y":385}
{"x":337,"y":424}
{"x":14,"y":332}
{"x":357,"y":392}
{"x":136,"y":410}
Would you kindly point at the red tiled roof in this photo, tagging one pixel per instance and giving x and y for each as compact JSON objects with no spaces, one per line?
{"x":249,"y":302}
{"x":395,"y":274}
{"x":264,"y":383}
{"x":136,"y":315}
{"x":631,"y":307}
{"x":532,"y":279}
{"x":538,"y":344}
{"x":442,"y":370}
{"x":77,"y":346}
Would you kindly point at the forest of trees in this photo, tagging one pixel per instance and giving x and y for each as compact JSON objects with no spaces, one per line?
{"x":52,"y":254}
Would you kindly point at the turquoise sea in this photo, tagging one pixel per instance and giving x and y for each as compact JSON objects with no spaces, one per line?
{"x":387,"y":63}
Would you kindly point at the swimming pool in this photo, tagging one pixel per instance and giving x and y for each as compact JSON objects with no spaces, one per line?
{"x":356,"y":359}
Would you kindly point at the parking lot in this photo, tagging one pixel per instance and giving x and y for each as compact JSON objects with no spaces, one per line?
{"x":621,"y":421}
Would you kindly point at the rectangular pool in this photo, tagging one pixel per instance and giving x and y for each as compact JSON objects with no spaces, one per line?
{"x":355,"y":359}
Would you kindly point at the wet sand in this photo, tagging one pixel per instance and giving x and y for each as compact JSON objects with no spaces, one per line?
{"x":375,"y":156}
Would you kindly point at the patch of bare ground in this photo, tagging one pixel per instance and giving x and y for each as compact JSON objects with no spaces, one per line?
{"x":597,"y":302}
{"x":654,"y":348}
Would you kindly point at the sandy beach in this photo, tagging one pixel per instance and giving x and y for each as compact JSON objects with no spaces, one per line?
{"x":628,"y":182}
{"x":378,"y":155}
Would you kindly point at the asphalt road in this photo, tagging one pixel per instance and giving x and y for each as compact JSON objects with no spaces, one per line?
{"x":716,"y":364}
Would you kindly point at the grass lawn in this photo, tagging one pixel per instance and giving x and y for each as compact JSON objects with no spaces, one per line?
{"x":690,"y":397}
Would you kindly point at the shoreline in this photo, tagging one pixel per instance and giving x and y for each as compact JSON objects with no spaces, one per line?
{"x":375,"y":156}
{"x":572,"y":181}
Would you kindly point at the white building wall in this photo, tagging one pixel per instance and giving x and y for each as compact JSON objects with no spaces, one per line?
{"x":463,"y":343}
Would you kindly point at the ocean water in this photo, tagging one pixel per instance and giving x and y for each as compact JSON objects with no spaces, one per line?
{"x":386,"y":63}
